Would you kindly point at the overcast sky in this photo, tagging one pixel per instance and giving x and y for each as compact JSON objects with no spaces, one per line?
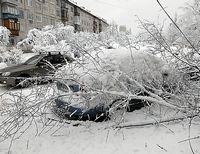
{"x":123,"y":11}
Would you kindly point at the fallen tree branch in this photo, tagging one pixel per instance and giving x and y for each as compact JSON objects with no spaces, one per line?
{"x":193,"y":138}
{"x":161,"y":147}
{"x":155,"y":122}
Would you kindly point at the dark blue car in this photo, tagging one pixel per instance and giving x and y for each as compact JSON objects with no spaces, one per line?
{"x":98,"y":113}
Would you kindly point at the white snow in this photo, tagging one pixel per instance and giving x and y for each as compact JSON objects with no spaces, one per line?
{"x":101,"y":138}
{"x":47,"y":136}
{"x":3,"y":65}
{"x":104,"y":138}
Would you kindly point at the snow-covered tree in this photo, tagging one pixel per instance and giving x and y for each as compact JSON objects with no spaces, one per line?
{"x":189,"y":23}
{"x":4,"y":36}
{"x":8,"y":56}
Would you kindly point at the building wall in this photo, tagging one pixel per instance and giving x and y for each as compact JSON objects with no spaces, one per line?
{"x":0,"y":15}
{"x":39,"y":13}
{"x":82,"y":19}
{"x":35,"y":14}
{"x":70,"y":14}
{"x":86,"y":21}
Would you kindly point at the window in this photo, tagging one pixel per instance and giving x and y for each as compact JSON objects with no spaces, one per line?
{"x":16,"y":26}
{"x":9,"y":9}
{"x":43,"y":1}
{"x":57,"y":2}
{"x":45,"y":9}
{"x":45,"y":20}
{"x":33,"y":60}
{"x":30,"y":16}
{"x":52,"y":10}
{"x":52,"y":21}
{"x":29,"y":3}
{"x":11,"y":24}
{"x":63,"y":13}
{"x":38,"y":6}
{"x":21,"y":14}
{"x":58,"y":13}
{"x":22,"y":27}
{"x":38,"y":18}
{"x":53,"y":59}
{"x":30,"y":22}
{"x":72,"y":9}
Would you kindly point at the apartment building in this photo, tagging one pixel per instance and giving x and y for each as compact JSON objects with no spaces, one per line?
{"x":19,"y":16}
{"x":81,"y":18}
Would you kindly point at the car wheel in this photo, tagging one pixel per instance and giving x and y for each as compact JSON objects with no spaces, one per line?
{"x":22,"y":81}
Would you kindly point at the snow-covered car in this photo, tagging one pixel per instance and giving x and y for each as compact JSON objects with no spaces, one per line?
{"x":73,"y":104}
{"x":98,"y":86}
{"x":40,"y":65}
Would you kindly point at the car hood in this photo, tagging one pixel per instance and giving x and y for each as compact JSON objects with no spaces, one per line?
{"x":17,"y":68}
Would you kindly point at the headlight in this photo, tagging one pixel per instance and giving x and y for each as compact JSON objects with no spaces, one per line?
{"x":6,"y":74}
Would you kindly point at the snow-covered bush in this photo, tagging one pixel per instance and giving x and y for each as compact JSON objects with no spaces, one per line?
{"x":63,"y":39}
{"x":4,"y":36}
{"x":179,"y":47}
{"x":4,"y":40}
{"x":8,"y":56}
{"x":140,"y":66}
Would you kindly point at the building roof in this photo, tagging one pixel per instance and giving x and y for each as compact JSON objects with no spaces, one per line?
{"x":86,"y":10}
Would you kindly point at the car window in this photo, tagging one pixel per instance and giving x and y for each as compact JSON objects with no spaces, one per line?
{"x":54,"y":59}
{"x":45,"y":60}
{"x":33,"y":60}
{"x":58,"y":59}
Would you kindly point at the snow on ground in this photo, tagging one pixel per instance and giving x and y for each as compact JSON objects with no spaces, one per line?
{"x":100,"y":138}
{"x":105,"y":138}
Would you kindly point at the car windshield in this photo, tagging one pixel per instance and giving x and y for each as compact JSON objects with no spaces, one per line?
{"x":33,"y":60}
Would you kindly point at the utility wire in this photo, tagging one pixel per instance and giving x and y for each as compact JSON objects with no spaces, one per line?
{"x":113,"y":5}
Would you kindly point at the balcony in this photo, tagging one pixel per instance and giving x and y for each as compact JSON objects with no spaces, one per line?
{"x":12,"y":25}
{"x":9,"y":1}
{"x":10,"y":12}
{"x":14,"y":32}
{"x":9,"y":16}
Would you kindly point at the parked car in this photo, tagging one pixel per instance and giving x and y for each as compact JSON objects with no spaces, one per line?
{"x":76,"y":107}
{"x":40,"y":65}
